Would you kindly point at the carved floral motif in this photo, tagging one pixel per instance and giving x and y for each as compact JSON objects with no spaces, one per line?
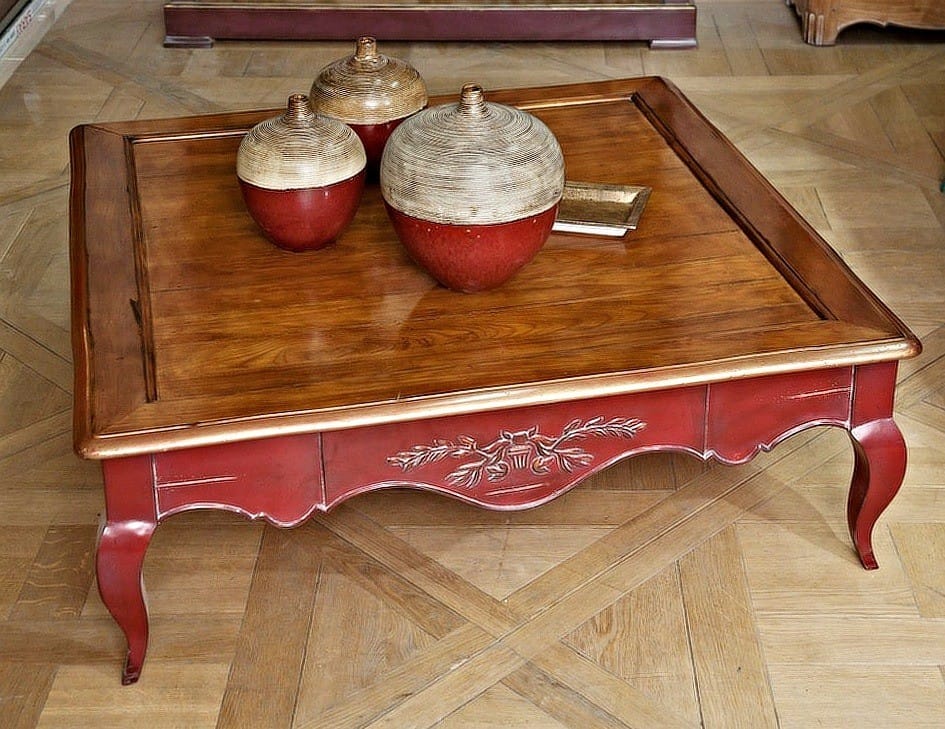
{"x":523,"y":450}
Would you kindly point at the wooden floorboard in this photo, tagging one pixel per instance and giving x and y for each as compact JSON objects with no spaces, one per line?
{"x":665,"y":592}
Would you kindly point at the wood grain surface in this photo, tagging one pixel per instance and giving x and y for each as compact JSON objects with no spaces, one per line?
{"x":822,"y":20}
{"x":722,"y":279}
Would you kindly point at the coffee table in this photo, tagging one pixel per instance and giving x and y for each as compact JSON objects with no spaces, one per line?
{"x":214,"y":371}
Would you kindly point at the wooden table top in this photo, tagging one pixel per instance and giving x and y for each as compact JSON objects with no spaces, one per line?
{"x":189,"y":328}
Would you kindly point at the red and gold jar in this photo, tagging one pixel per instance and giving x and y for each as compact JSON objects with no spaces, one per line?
{"x":370,"y":92}
{"x":302,"y":176}
{"x":472,"y":189}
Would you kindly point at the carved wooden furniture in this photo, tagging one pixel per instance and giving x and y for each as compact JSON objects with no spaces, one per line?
{"x":214,"y":370}
{"x":822,"y":20}
{"x":665,"y":23}
{"x":10,"y":12}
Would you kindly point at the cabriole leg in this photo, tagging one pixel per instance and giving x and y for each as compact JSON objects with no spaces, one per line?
{"x":880,"y":454}
{"x":126,"y":531}
{"x":878,"y":471}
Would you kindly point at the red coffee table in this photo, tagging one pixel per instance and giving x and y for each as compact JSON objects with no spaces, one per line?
{"x":216,"y":371}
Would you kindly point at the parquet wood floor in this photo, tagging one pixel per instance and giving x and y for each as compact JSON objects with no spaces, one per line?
{"x":665,"y":593}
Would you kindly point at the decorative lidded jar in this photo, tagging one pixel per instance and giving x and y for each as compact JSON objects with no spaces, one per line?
{"x":302,"y":176}
{"x":472,"y":189}
{"x":370,"y":92}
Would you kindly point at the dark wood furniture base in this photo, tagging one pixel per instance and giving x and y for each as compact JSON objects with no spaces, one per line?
{"x":664,"y":23}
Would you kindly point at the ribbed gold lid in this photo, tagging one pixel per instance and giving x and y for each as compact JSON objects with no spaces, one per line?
{"x":299,"y":149}
{"x":473,"y":162}
{"x":368,"y":87}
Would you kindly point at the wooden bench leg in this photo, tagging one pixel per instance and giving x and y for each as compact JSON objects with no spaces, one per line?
{"x":818,"y":21}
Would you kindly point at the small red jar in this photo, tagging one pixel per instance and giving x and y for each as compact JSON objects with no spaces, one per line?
{"x":370,"y":92}
{"x":302,"y":176}
{"x":472,"y":189}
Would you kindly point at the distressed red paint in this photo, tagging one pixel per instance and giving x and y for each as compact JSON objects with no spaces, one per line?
{"x":374,"y":138}
{"x":305,"y":219}
{"x":473,"y":257}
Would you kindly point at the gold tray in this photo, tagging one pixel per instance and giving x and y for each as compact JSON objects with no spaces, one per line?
{"x":599,"y":209}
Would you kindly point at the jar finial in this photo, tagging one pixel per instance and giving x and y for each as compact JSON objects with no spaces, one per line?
{"x":471,"y":99}
{"x":366,"y":49}
{"x":297,"y":110}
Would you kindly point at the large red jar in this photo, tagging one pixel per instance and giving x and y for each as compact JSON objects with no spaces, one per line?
{"x":472,"y":189}
{"x":370,"y":92}
{"x":302,"y":176}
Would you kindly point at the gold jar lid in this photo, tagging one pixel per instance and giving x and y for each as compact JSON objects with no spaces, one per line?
{"x":368,"y":87}
{"x":299,"y":149}
{"x":472,"y":162}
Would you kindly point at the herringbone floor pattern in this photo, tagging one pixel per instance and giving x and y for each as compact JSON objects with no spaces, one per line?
{"x":664,"y":593}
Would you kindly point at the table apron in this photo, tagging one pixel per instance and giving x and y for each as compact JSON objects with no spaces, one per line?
{"x":505,"y":459}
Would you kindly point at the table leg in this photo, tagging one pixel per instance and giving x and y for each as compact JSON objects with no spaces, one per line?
{"x":880,"y":454}
{"x":130,"y":520}
{"x":878,"y":471}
